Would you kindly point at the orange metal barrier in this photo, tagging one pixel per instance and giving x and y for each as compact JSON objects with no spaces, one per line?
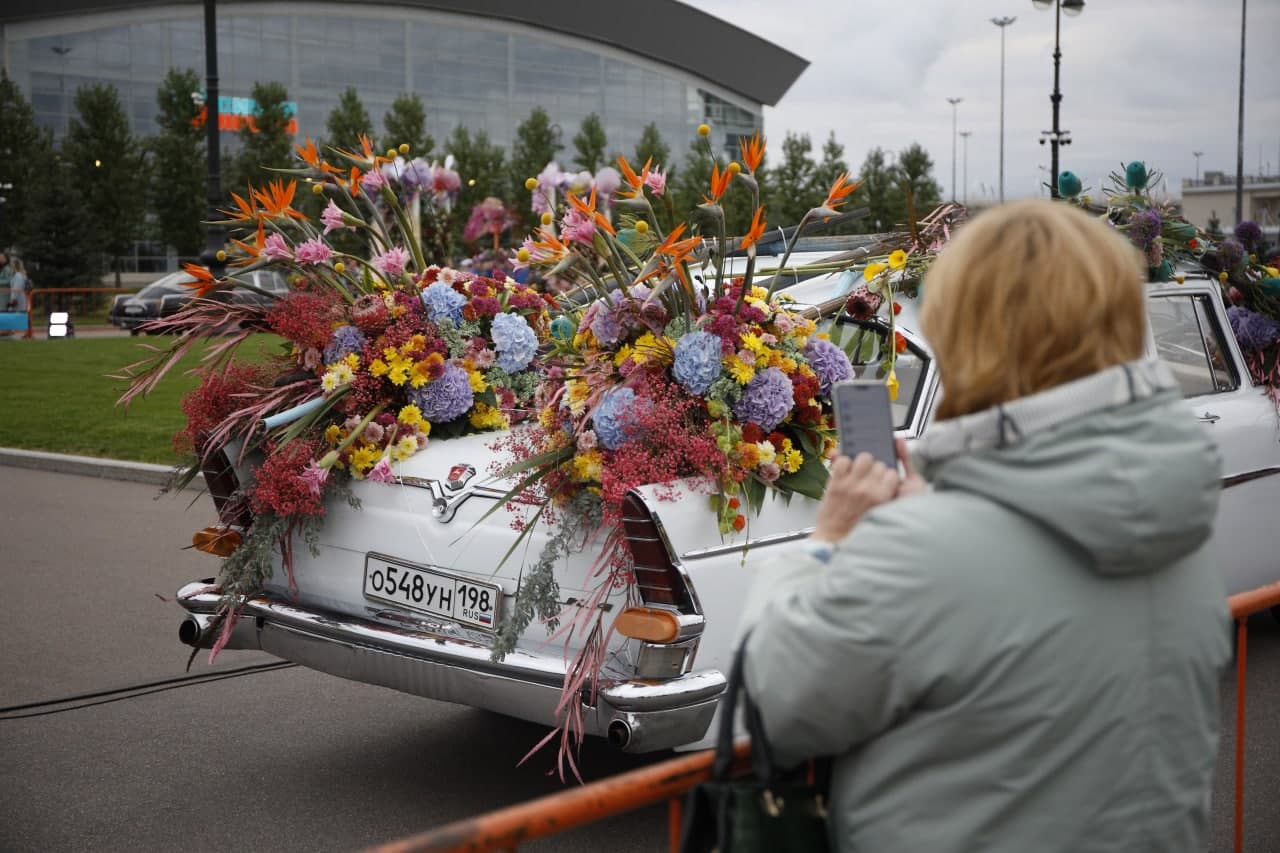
{"x":505,"y":829}
{"x":31,"y":299}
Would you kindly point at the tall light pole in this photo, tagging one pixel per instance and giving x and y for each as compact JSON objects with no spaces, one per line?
{"x":1002,"y":23}
{"x":964,"y":186}
{"x":214,"y":235}
{"x":1197,"y":155}
{"x":1240,"y":125}
{"x":954,"y":102}
{"x":1057,"y":136}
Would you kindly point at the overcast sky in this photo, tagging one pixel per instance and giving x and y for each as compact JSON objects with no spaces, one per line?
{"x":1141,"y":79}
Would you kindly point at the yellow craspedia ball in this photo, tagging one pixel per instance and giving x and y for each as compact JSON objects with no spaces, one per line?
{"x":1223,"y":277}
{"x":391,"y":153}
{"x":642,"y":227}
{"x":317,"y":188}
{"x":531,"y":184}
{"x":734,"y":168}
{"x":339,"y":267}
{"x":404,"y":148}
{"x":704,"y":130}
{"x":522,"y":256}
{"x":221,"y":255}
{"x":546,"y":217}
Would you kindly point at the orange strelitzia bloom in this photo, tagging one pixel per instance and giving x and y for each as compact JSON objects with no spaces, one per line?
{"x":719,"y":183}
{"x":277,"y":200}
{"x":245,"y":211}
{"x":756,"y":231}
{"x":251,"y":250}
{"x":204,"y":281}
{"x":308,"y":153}
{"x":752,"y":151}
{"x":840,"y":190}
{"x":588,"y":208}
{"x":636,"y":182}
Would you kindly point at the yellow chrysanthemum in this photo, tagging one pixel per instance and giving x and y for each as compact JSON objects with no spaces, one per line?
{"x":477,"y":381}
{"x":650,"y":347}
{"x":741,"y":373}
{"x":546,"y":417}
{"x":378,"y":368}
{"x":587,"y":466}
{"x":749,"y":454}
{"x":363,"y":458}
{"x":1272,"y":272}
{"x":620,"y":357}
{"x":486,"y":417}
{"x":404,"y":448}
{"x":352,"y":360}
{"x":343,"y":371}
{"x":399,"y":372}
{"x":792,"y":460}
{"x":332,"y":434}
{"x":329,"y":382}
{"x":411,"y":415}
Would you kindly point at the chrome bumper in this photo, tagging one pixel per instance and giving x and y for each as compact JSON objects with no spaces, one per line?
{"x":635,"y":715}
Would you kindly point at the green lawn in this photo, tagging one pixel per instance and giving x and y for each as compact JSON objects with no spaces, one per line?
{"x":55,"y":396}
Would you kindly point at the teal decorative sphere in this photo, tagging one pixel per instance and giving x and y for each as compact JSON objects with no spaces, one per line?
{"x":1069,"y":185}
{"x":562,"y":328}
{"x":1271,"y":285}
{"x":1135,"y":175}
{"x":1164,"y":272}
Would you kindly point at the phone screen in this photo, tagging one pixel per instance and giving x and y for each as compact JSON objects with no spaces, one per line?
{"x":864,"y":420}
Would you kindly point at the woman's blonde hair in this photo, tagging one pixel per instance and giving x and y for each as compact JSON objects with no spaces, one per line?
{"x":1027,"y":296}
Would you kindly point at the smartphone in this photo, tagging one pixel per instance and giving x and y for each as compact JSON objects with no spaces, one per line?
{"x":864,"y":421}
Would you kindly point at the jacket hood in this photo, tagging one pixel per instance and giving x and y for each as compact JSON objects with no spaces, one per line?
{"x":1114,"y":463}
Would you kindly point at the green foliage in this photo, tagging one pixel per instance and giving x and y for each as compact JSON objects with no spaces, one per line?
{"x":794,"y":185}
{"x":915,"y":170}
{"x":20,"y":140}
{"x":692,"y":185}
{"x":482,"y":167}
{"x":57,"y":235}
{"x":652,"y":146}
{"x":109,"y":169}
{"x":178,"y":167}
{"x":267,"y":143}
{"x":348,"y":121}
{"x":536,"y":144}
{"x":877,"y":193}
{"x":406,"y":122}
{"x":590,"y":143}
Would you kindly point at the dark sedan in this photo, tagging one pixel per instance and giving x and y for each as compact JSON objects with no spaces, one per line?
{"x":166,"y":296}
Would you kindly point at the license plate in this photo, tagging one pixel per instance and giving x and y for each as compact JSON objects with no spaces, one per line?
{"x":132,"y":309}
{"x":432,"y":591}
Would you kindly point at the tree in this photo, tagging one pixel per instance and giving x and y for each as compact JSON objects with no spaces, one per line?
{"x":406,"y":123}
{"x":692,"y":185}
{"x":915,"y":170}
{"x":266,"y":140}
{"x":482,"y":167}
{"x":536,"y":144}
{"x":178,"y":166}
{"x":20,"y":139}
{"x":109,"y":169}
{"x":652,"y":146}
{"x":793,"y":183}
{"x":590,"y":144}
{"x":876,"y":192}
{"x":348,"y":121}
{"x":57,"y":235}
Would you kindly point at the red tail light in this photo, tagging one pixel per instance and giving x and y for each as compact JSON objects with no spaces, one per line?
{"x":657,"y":578}
{"x":223,"y":485}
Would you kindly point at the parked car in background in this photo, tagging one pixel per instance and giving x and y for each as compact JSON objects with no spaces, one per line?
{"x":166,"y":296}
{"x":264,"y":286}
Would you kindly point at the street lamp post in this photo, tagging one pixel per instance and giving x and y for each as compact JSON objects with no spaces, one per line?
{"x":1057,"y":136}
{"x":1002,"y":23}
{"x":1240,"y":124}
{"x":954,"y":102}
{"x":1197,"y":155}
{"x":964,"y":186}
{"x":214,"y":237}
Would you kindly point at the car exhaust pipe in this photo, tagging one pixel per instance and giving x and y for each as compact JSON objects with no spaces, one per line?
{"x":200,"y":631}
{"x":619,"y":734}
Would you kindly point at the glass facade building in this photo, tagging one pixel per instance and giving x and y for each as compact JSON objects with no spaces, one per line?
{"x":481,"y":71}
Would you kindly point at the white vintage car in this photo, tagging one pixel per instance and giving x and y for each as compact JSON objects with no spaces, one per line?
{"x":407,"y":591}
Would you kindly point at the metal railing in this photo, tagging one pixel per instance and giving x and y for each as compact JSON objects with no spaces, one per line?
{"x":506,"y":829}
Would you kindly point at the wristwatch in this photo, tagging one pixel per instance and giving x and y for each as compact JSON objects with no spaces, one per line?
{"x":820,"y":551}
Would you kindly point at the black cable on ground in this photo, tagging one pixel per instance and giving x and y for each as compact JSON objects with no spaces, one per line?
{"x":145,"y":689}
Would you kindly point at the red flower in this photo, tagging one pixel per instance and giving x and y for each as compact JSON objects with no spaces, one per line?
{"x":776,"y":439}
{"x":1193,"y":243}
{"x":752,"y":433}
{"x":897,"y":308}
{"x":739,"y":522}
{"x":899,"y":342}
{"x":734,"y":503}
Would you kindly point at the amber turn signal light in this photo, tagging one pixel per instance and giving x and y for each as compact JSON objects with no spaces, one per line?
{"x":649,"y":624}
{"x":219,"y":541}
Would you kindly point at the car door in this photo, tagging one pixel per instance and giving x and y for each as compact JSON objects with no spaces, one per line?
{"x":1191,"y":336}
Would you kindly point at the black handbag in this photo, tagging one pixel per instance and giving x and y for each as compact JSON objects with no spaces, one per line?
{"x":764,"y":812}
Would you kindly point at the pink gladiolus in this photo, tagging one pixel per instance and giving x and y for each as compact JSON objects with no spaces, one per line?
{"x":392,"y":262}
{"x":381,"y":472}
{"x":656,"y":182}
{"x":332,"y":218}
{"x":315,"y":476}
{"x":313,"y":251}
{"x":275,"y":248}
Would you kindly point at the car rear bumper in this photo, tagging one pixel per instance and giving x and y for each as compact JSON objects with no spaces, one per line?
{"x":640,"y":715}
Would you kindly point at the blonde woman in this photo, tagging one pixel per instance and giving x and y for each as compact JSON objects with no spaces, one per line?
{"x":18,"y":286}
{"x":1023,"y":655}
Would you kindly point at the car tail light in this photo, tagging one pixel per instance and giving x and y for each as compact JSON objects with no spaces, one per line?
{"x":657,"y":578}
{"x":223,"y":485}
{"x":650,"y":624}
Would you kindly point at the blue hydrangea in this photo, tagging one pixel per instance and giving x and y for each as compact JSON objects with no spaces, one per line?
{"x":1254,"y":331}
{"x":615,"y":418}
{"x":697,"y":362}
{"x":829,"y":362}
{"x":345,"y":340}
{"x":443,"y":303}
{"x":514,"y":341}
{"x":766,"y":400}
{"x":446,"y":398}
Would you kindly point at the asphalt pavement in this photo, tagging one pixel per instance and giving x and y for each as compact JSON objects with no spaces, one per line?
{"x":285,"y":758}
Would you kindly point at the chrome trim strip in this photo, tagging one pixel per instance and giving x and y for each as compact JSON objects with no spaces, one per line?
{"x":720,"y":550}
{"x":1249,"y":476}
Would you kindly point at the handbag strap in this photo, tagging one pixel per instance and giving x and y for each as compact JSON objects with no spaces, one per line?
{"x":761,"y":756}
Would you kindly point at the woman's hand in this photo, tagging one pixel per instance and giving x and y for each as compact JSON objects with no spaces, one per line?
{"x":856,"y":485}
{"x":912,"y":483}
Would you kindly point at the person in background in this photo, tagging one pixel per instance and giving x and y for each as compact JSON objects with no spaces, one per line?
{"x":6,"y":276}
{"x":19,"y":284}
{"x":1023,"y":654}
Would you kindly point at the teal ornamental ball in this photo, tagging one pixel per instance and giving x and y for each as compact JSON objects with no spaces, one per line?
{"x":1135,"y":175}
{"x":562,"y":328}
{"x":1069,"y":185}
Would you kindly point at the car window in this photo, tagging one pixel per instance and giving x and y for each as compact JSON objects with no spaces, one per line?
{"x":171,"y":283}
{"x":1188,"y":339}
{"x":865,"y":342}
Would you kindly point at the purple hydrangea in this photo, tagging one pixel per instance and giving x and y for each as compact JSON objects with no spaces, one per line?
{"x":766,"y":400}
{"x":615,"y":418}
{"x":443,"y":303}
{"x":1144,"y":228}
{"x":1249,"y":234}
{"x":829,"y":362}
{"x":1230,"y":254}
{"x":445,"y":398}
{"x":601,"y":318}
{"x":1254,"y":331}
{"x":515,"y":342}
{"x":697,"y":362}
{"x":345,"y":340}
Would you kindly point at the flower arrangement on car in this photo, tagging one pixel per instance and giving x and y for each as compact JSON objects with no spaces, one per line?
{"x":1241,"y":262}
{"x":380,"y":352}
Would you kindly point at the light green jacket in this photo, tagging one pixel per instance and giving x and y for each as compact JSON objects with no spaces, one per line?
{"x":1025,"y":658}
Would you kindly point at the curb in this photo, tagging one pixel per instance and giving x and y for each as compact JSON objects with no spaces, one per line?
{"x":90,"y":466}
